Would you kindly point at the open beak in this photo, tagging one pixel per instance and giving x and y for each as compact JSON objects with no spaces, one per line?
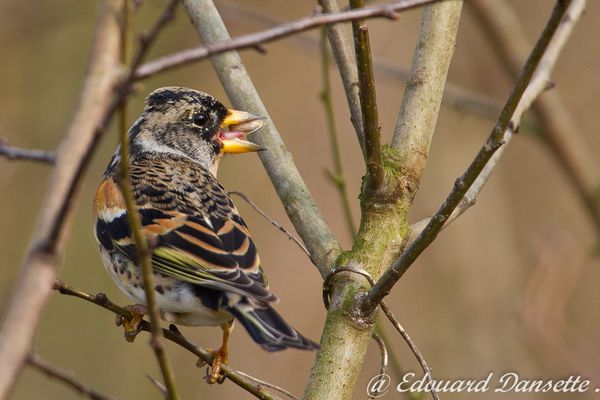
{"x":234,"y":129}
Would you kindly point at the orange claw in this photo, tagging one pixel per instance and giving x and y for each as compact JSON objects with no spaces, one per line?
{"x":220,"y":356}
{"x":132,"y":327}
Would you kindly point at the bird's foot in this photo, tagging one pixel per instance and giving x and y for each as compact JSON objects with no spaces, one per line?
{"x":133,"y":326}
{"x":219,"y":358}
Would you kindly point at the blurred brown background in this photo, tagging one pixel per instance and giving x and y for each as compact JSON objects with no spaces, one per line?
{"x":512,"y":286}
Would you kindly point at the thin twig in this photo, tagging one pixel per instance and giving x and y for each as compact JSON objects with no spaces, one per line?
{"x":174,"y":336}
{"x":158,"y":385}
{"x":368,"y":100}
{"x":369,"y":302}
{"x":272,"y":221}
{"x":384,"y":353}
{"x":16,"y":153}
{"x":559,"y":129}
{"x":251,"y":41}
{"x":269,"y":385}
{"x":337,"y":177}
{"x":537,"y":86}
{"x":278,"y":162}
{"x":48,"y":240}
{"x":144,"y":253}
{"x":65,"y":377}
{"x":413,"y":347}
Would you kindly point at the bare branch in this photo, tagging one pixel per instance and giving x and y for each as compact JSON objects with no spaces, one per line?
{"x":278,"y":162}
{"x":272,"y":221}
{"x":172,"y":335}
{"x":425,"y":86}
{"x":16,"y":153}
{"x":368,"y":303}
{"x":368,"y":101}
{"x":46,"y":247}
{"x":65,"y":377}
{"x":413,"y":347}
{"x":559,"y":129}
{"x":223,"y":45}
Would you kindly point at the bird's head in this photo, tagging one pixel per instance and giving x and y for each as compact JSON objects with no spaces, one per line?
{"x":188,"y":122}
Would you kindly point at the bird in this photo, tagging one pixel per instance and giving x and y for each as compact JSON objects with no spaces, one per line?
{"x":205,"y":264}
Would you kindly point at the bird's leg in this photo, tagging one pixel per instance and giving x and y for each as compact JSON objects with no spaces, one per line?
{"x":220,"y":356}
{"x":132,"y":327}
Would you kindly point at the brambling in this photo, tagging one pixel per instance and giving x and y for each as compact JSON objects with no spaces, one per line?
{"x":206,"y":268}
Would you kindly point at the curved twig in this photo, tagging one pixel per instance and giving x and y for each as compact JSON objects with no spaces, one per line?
{"x":66,"y":378}
{"x":272,"y":221}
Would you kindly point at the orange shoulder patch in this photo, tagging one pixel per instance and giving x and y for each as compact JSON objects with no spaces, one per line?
{"x":108,"y":200}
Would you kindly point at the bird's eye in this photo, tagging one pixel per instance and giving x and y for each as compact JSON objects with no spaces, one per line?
{"x":199,"y":119}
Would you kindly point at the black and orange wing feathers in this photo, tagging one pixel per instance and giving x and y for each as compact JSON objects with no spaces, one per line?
{"x":192,"y":225}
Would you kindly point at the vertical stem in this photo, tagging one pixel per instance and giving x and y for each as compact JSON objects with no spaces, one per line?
{"x":368,"y":100}
{"x":133,"y":218}
{"x":337,"y":177}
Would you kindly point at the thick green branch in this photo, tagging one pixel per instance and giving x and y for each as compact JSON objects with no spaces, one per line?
{"x":382,"y":232}
{"x":382,"y":288}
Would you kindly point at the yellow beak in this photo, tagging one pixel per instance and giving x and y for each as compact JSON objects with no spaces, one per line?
{"x":234,"y":129}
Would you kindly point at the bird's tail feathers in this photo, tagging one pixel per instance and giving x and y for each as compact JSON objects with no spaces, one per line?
{"x":269,"y":329}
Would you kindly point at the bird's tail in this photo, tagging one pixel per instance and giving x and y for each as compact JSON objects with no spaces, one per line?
{"x":269,"y":329}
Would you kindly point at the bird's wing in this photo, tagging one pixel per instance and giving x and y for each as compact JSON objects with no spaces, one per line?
{"x":191,"y":224}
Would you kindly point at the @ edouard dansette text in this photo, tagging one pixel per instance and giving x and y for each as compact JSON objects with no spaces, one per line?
{"x":505,"y":382}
